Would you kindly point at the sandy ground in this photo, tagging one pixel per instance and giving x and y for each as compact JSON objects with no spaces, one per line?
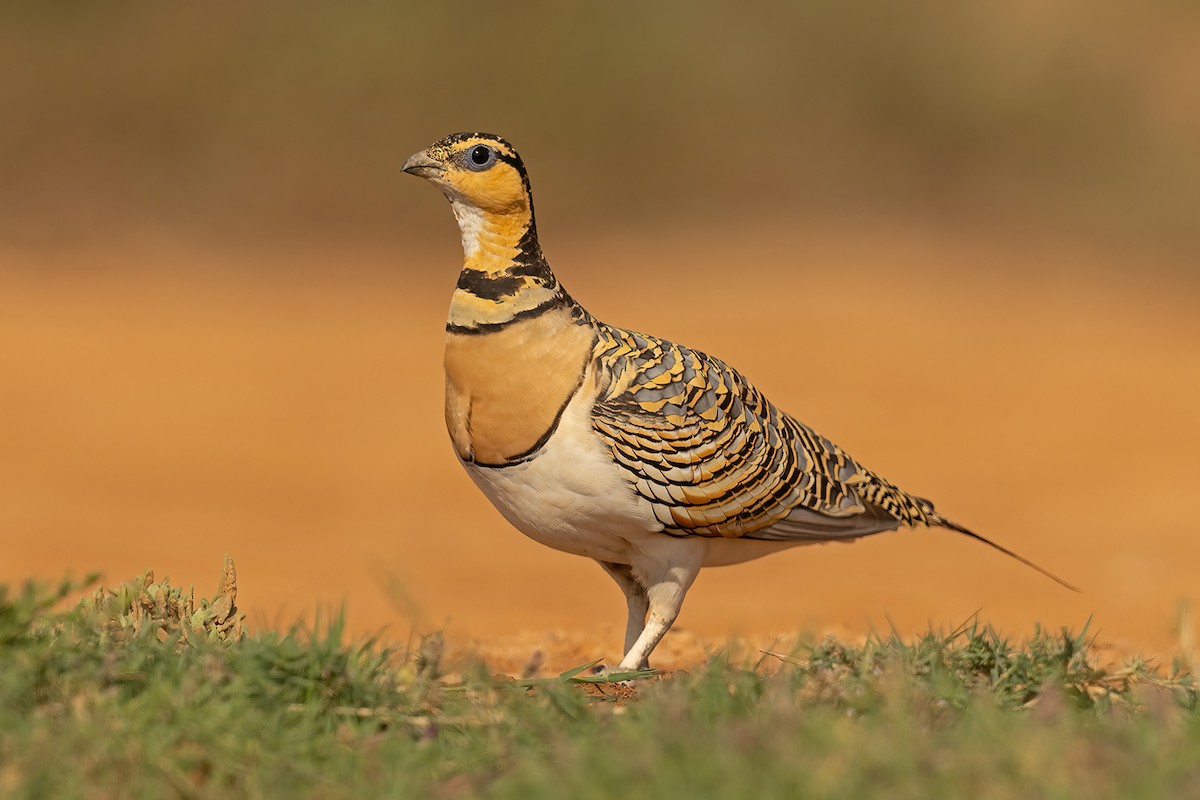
{"x":161,"y":406}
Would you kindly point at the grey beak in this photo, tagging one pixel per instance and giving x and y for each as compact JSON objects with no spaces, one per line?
{"x":421,"y":165}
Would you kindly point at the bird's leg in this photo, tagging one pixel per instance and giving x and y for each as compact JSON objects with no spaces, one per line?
{"x":635,"y":598}
{"x":667,"y":576}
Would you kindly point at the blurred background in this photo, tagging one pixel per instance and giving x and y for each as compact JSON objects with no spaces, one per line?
{"x":965,"y":241}
{"x":264,"y":121}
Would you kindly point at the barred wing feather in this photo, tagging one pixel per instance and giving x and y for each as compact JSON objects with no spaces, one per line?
{"x":713,"y":457}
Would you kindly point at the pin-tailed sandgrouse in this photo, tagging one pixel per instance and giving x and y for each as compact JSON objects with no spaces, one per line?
{"x":649,"y":457}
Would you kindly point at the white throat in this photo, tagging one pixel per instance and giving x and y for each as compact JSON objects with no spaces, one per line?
{"x":470,"y":224}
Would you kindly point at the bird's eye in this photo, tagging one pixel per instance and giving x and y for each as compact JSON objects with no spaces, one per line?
{"x":481,"y":157}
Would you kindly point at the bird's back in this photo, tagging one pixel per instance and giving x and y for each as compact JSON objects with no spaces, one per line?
{"x":714,"y":457}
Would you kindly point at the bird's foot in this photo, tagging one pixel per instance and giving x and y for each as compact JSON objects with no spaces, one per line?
{"x":620,"y":674}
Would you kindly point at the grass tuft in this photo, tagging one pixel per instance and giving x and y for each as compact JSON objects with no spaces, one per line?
{"x":144,"y":691}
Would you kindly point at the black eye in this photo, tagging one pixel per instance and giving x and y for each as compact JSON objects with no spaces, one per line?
{"x":481,"y":157}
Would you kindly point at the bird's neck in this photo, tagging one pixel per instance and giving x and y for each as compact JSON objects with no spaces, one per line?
{"x":491,"y":240}
{"x":505,"y":277}
{"x":517,"y":346}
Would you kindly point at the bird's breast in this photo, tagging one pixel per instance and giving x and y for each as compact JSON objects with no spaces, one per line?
{"x":571,"y":495}
{"x":506,"y":389}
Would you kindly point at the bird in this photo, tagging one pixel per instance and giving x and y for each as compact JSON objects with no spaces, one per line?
{"x":647,"y":456}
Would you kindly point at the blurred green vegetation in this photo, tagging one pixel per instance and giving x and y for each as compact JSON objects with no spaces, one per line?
{"x":112,"y":699}
{"x":255,"y":121}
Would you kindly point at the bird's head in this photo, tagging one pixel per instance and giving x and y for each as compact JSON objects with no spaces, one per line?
{"x":478,"y":170}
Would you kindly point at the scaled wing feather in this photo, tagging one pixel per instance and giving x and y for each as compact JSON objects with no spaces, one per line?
{"x":713,"y":457}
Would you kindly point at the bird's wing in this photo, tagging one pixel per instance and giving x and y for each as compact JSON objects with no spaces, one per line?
{"x":714,"y":457}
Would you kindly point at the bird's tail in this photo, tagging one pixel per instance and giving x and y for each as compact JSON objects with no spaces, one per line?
{"x":940,"y":521}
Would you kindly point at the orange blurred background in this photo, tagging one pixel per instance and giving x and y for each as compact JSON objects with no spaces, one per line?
{"x":961,"y":243}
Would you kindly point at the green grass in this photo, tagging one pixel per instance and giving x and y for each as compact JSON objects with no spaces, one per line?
{"x":141,"y":692}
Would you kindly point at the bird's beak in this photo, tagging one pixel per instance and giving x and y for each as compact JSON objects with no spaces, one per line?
{"x":421,"y":165}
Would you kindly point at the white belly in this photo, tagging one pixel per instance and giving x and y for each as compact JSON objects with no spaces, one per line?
{"x":571,"y":495}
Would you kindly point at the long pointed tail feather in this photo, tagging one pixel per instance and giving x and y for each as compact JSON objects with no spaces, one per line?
{"x":942,"y":522}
